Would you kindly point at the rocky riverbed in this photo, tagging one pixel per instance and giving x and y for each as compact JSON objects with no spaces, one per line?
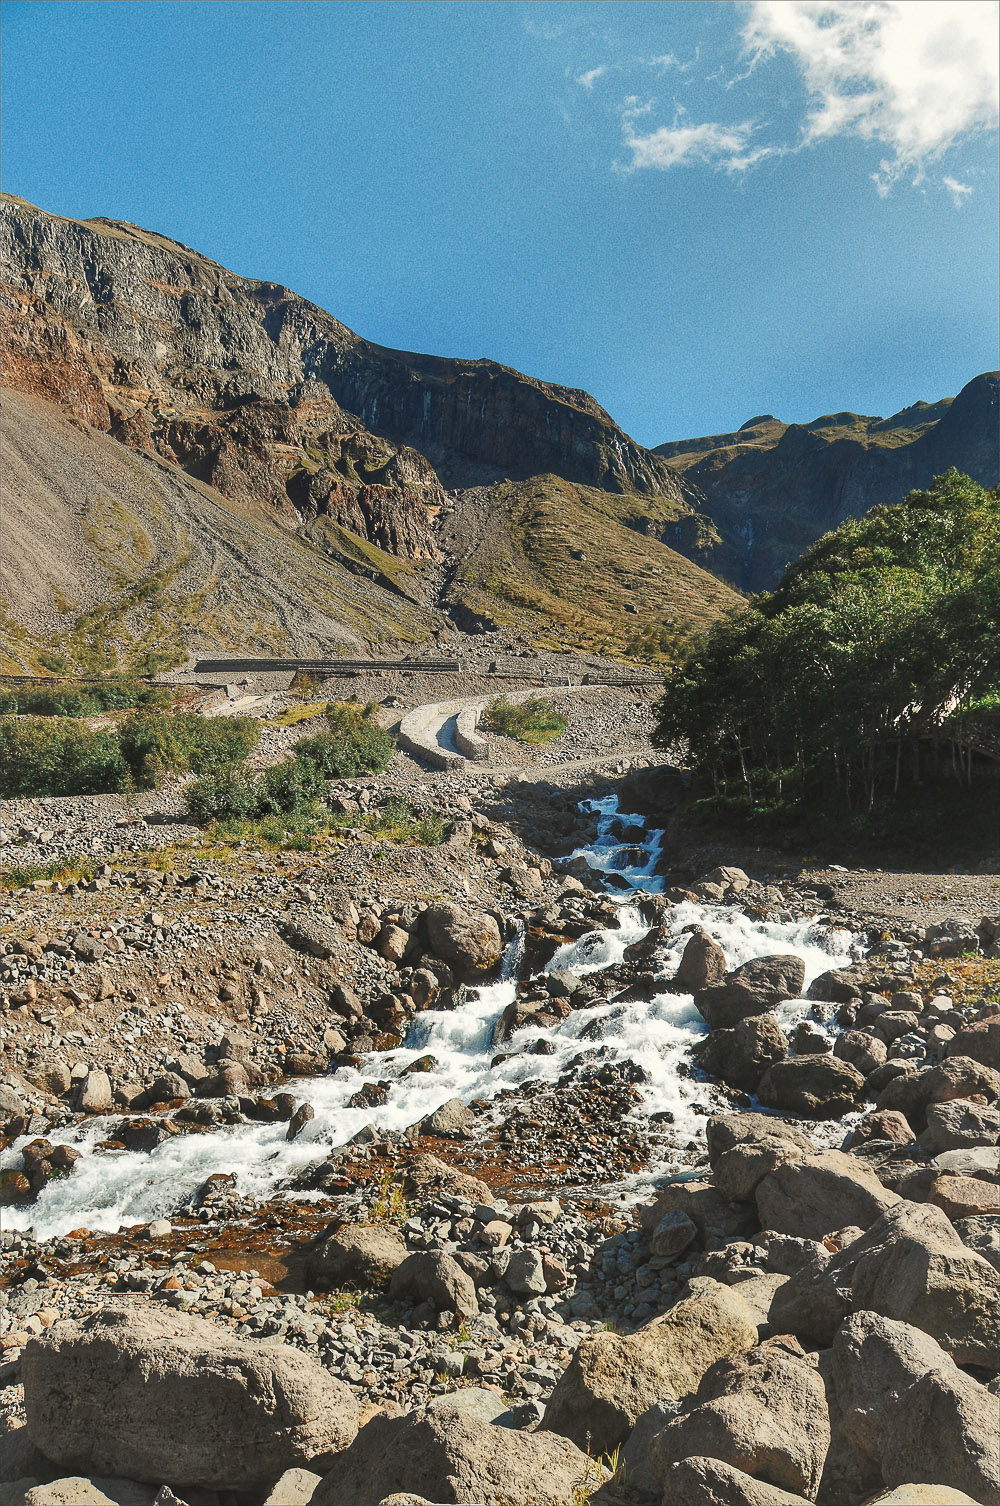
{"x":532,"y":1166}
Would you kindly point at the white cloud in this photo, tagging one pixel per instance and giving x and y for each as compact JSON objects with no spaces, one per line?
{"x":913,"y":75}
{"x":671,"y":146}
{"x":589,"y":79}
{"x":959,"y":191}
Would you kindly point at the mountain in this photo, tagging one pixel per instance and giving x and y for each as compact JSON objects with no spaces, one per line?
{"x":197,"y":460}
{"x":772,"y":489}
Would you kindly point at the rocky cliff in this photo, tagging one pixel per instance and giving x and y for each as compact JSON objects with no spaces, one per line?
{"x":772,"y":488}
{"x":258,"y":421}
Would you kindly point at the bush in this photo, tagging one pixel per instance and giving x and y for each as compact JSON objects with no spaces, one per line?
{"x":59,"y":756}
{"x":231,"y":793}
{"x":532,"y":721}
{"x":355,"y":744}
{"x":82,"y":700}
{"x":290,"y":788}
{"x":155,"y":744}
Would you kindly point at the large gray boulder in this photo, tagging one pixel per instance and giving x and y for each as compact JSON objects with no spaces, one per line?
{"x":740,"y":1171}
{"x":755,"y":988}
{"x":955,"y":1078}
{"x":613,"y":1378}
{"x":819,"y":1194}
{"x":157,"y":1396}
{"x":700,"y":1481}
{"x":910,"y":1266}
{"x":467,"y":939}
{"x":723,"y":1131}
{"x":434,"y":1277}
{"x":741,"y":1056}
{"x":361,"y":1255}
{"x":763,"y":1412}
{"x":908,"y":1407}
{"x":447,"y":1457}
{"x":958,"y":1125}
{"x":814,"y":1087}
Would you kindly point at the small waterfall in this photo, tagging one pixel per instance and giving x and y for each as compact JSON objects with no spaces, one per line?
{"x":108,"y":1190}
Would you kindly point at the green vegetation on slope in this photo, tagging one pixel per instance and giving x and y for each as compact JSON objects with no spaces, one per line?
{"x":81,"y":700}
{"x":532,"y":721}
{"x":859,"y":676}
{"x":574,"y":568}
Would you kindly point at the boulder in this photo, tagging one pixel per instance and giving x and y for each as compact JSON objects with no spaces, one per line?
{"x":763,"y":1412}
{"x":703,"y":962}
{"x":154,"y":1395}
{"x":612,"y":1378}
{"x":955,"y":1077}
{"x":452,"y":1120}
{"x":815,"y":1087}
{"x":427,"y":1177}
{"x":360,"y":1255}
{"x":755,"y":988}
{"x":862,"y":1049}
{"x":726,"y":1130}
{"x":295,"y":1488}
{"x":700,"y":1481}
{"x":434,"y":1277}
{"x":835,"y":986}
{"x":446,"y":1456}
{"x":467,"y":939}
{"x":703,"y":1203}
{"x":813,"y":1196}
{"x":910,"y":1266}
{"x":964,"y":1197}
{"x":908,"y":1407}
{"x":75,"y":1490}
{"x":982,"y":1234}
{"x":741,"y":1056}
{"x":673,"y":1233}
{"x":923,"y":1495}
{"x":881,"y":1124}
{"x":980,"y":1041}
{"x":96,"y":1096}
{"x":739,"y":1172}
{"x":957,"y":1124}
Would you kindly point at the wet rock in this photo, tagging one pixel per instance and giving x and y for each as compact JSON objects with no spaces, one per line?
{"x":763,"y":1412}
{"x":755,"y":988}
{"x":815,"y":1087}
{"x":909,"y":1408}
{"x":612,"y":1378}
{"x":299,"y":1120}
{"x":239,"y":1412}
{"x":741,"y":1056}
{"x":467,"y":939}
{"x":446,"y":1456}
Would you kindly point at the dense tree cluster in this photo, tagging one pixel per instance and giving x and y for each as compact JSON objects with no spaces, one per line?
{"x":874,"y":663}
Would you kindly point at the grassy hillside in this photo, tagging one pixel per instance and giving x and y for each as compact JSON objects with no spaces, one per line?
{"x":566,"y":566}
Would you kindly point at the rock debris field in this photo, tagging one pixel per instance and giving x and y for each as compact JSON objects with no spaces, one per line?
{"x":535,"y":1167}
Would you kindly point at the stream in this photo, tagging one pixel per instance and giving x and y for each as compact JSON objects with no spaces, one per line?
{"x":109,"y":1190}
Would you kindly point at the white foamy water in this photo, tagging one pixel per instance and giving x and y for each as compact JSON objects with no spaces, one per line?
{"x":108,"y":1190}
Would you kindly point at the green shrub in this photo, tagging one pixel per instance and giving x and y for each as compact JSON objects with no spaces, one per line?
{"x":355,"y":744}
{"x":82,"y":700}
{"x":231,"y":793}
{"x":155,"y":744}
{"x":59,"y":756}
{"x":532,"y":721}
{"x":289,"y":788}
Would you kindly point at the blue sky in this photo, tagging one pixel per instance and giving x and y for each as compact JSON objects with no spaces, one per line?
{"x":697,"y":211}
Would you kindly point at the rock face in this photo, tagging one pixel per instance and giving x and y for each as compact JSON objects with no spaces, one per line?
{"x":907,"y":1406}
{"x":613,"y":1378}
{"x":836,"y":467}
{"x":158,"y":1396}
{"x":360,"y":1255}
{"x":447,"y":1457}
